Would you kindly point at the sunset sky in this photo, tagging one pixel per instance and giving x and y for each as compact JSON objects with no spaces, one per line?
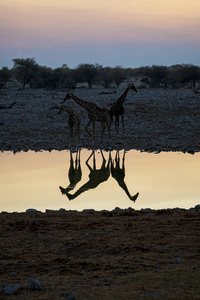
{"x":109,"y":32}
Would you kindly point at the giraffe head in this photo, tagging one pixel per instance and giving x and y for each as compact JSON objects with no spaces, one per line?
{"x":67,"y":97}
{"x":133,"y":88}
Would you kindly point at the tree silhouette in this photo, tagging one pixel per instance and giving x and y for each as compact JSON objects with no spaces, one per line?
{"x":25,"y":70}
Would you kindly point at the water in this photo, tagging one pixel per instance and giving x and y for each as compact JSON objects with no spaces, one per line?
{"x":39,"y":180}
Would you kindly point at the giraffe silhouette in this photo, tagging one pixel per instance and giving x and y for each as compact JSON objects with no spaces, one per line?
{"x":119,"y":174}
{"x":117,"y":108}
{"x":96,"y":176}
{"x":95,"y":114}
{"x":74,"y":122}
{"x":75,"y":172}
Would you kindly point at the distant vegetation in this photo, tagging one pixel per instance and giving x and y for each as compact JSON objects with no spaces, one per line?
{"x":28,"y":73}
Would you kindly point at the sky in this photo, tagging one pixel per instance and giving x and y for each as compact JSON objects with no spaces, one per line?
{"x":111,"y":33}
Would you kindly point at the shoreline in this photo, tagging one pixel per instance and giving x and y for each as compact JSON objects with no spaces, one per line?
{"x":116,"y":210}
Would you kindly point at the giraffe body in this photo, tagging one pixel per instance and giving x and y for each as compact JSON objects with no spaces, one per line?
{"x":96,"y":176}
{"x":73,"y":121}
{"x":117,"y":109}
{"x":95,"y":114}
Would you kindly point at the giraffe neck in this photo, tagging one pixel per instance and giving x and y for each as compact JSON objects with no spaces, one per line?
{"x":121,"y":99}
{"x":84,"y":104}
{"x":69,"y":111}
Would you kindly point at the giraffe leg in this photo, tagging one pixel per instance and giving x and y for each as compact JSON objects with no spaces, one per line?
{"x":102,"y":155}
{"x":108,"y":126}
{"x":94,"y":161}
{"x":103,"y":129}
{"x":89,"y":167}
{"x":117,"y":159}
{"x":71,"y":133}
{"x":76,"y":161}
{"x":123,"y":162}
{"x":116,"y":123}
{"x":78,"y":134}
{"x":93,"y":129}
{"x":123,"y":123}
{"x":104,"y":161}
{"x":86,"y":128}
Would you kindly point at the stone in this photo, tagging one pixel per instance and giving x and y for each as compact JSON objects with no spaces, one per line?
{"x":154,"y":295}
{"x":11,"y":289}
{"x":177,"y":260}
{"x":32,"y":210}
{"x":197,"y":207}
{"x":68,"y":295}
{"x":34,"y":284}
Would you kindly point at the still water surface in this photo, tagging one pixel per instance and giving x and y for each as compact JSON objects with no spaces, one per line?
{"x":41,"y":180}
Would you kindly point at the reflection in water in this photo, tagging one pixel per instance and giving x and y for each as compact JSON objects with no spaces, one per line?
{"x":119,"y":174}
{"x":96,"y":176}
{"x":75,"y":172}
{"x":31,"y":180}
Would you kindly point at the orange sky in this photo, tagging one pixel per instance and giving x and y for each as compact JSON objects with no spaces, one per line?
{"x":33,"y":25}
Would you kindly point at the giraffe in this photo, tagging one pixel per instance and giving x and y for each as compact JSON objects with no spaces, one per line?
{"x":75,"y":172}
{"x":96,"y":176}
{"x":119,"y":175}
{"x":95,"y":114}
{"x":117,"y":108}
{"x":73,"y":122}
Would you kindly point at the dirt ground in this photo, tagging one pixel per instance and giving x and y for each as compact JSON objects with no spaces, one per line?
{"x":122,"y":254}
{"x":155,"y":120}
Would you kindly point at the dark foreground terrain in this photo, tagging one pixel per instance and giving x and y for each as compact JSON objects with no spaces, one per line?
{"x":122,"y":254}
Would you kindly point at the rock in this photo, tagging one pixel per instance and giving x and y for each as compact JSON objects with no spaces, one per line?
{"x":197,"y":207}
{"x":68,"y":295}
{"x":177,"y":260}
{"x":56,"y":210}
{"x":11,"y":289}
{"x":153,"y":295}
{"x":32,"y":210}
{"x":34,"y":284}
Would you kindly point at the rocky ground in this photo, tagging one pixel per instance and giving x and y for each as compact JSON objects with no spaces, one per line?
{"x":155,"y":120}
{"x":122,"y":254}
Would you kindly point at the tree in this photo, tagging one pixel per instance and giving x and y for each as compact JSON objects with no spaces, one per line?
{"x":4,"y":76}
{"x":106,"y":77}
{"x":157,"y":75}
{"x":118,"y":75}
{"x":25,"y":70}
{"x":190,"y":74}
{"x":174,"y":76}
{"x":89,"y":73}
{"x":76,"y":76}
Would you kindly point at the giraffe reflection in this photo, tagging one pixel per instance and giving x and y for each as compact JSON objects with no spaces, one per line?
{"x":75,"y":172}
{"x":119,"y":174}
{"x":96,"y":176}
